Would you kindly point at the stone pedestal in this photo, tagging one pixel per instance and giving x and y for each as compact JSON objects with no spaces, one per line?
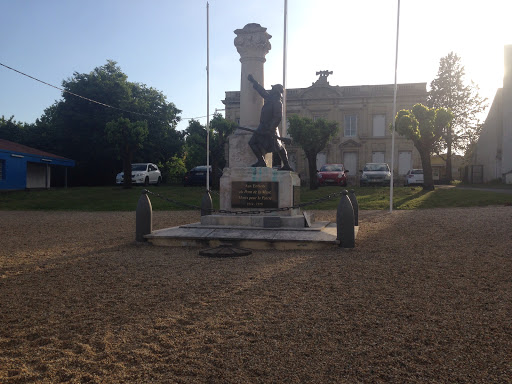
{"x":259,"y":189}
{"x":261,"y":192}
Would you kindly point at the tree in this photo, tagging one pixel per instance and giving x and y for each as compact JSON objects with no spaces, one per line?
{"x":77,"y":125}
{"x":163,"y":141}
{"x":220,"y":129}
{"x":312,"y":136}
{"x":425,"y":127}
{"x":127,"y":137}
{"x":195,"y":144}
{"x":12,"y":130}
{"x":173,"y":169}
{"x":449,"y":90}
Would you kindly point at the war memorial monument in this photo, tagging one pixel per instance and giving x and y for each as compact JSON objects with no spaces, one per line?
{"x":258,"y":203}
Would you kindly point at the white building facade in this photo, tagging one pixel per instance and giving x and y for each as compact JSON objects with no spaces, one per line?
{"x":493,"y":155}
{"x":364,"y":114}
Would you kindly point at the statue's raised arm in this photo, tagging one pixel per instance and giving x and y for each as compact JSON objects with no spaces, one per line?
{"x":263,"y":93}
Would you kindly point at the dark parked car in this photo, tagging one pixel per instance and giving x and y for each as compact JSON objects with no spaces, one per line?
{"x":197,"y":176}
{"x":332,"y":174}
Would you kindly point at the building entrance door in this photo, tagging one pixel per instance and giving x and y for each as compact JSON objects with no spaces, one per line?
{"x":350,"y":163}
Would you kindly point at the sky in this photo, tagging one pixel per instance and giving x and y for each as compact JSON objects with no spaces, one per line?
{"x":163,"y":44}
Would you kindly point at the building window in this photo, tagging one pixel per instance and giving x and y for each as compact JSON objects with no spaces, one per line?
{"x":379,"y":125}
{"x":350,"y":127}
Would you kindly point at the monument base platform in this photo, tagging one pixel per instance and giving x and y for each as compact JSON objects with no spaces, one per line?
{"x":256,"y":213}
{"x":322,"y":235}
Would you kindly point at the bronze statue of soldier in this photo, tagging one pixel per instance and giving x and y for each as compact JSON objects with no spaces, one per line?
{"x":266,"y":137}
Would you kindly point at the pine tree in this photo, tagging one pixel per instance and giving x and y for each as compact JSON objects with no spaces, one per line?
{"x":449,"y":90}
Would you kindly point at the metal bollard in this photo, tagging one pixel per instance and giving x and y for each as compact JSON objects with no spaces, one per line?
{"x":355,"y":205}
{"x":206,"y":204}
{"x":144,"y":217}
{"x":345,"y":227}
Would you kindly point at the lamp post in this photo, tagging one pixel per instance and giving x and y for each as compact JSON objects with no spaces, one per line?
{"x":394,"y":114}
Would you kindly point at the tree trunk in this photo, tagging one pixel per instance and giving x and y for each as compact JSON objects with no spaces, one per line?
{"x":313,"y":181}
{"x":428,"y":180}
{"x":449,"y":175}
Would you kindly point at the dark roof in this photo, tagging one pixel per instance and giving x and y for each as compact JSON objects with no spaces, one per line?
{"x":7,"y":145}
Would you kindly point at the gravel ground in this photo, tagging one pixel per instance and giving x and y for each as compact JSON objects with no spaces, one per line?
{"x":425,"y":297}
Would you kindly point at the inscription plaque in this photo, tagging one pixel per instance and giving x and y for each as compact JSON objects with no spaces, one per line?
{"x":254,"y":194}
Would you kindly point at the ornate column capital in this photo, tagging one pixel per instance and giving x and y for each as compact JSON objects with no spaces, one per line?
{"x":252,"y":41}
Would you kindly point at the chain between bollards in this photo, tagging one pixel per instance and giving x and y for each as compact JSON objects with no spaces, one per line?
{"x":207,"y":209}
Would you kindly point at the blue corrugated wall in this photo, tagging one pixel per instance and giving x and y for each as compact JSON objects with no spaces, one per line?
{"x":14,"y":168}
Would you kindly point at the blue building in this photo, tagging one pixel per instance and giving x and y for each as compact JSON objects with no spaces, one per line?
{"x":22,"y":167}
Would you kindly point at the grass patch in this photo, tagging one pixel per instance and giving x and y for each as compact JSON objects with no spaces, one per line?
{"x":119,"y":199}
{"x":101,"y":198}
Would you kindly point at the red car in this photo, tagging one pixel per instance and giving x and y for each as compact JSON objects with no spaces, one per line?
{"x":332,"y":174}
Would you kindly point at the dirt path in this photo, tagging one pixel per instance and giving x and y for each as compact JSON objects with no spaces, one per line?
{"x":423,"y":298}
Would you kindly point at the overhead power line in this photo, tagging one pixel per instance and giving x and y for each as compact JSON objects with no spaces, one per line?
{"x":74,"y":94}
{"x":91,"y":100}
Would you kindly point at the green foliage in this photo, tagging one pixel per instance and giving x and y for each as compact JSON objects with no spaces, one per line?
{"x":75,"y":127}
{"x":173,"y":170}
{"x":220,"y":129}
{"x":163,"y":140}
{"x":312,"y":136}
{"x":12,"y":130}
{"x":195,"y":144}
{"x":126,"y":136}
{"x":424,"y":126}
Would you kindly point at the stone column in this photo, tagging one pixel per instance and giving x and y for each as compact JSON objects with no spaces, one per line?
{"x":252,"y":43}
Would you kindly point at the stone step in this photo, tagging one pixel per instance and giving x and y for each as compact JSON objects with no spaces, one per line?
{"x":321,"y":235}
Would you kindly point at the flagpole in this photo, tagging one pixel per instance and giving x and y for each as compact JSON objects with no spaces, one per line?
{"x":394,"y":114}
{"x":285,"y":38}
{"x":207,"y":96}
